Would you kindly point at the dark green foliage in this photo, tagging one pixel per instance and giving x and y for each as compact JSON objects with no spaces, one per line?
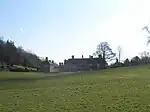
{"x":116,"y":64}
{"x":126,"y":62}
{"x":16,"y":68}
{"x":135,"y":60}
{"x":12,"y":55}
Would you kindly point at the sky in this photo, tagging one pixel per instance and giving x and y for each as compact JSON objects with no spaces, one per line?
{"x":59,"y":29}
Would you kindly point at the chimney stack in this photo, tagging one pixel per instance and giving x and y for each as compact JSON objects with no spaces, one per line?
{"x":60,"y":64}
{"x":46,"y":59}
{"x":72,"y":56}
{"x":100,"y":56}
{"x":90,"y":56}
{"x":65,"y":61}
{"x":82,"y":56}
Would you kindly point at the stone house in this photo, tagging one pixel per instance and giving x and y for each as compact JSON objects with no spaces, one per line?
{"x":54,"y":67}
{"x":83,"y":64}
{"x":49,"y":66}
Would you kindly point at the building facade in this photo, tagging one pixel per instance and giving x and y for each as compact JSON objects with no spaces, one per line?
{"x":49,"y":66}
{"x":83,"y":64}
{"x":54,"y":67}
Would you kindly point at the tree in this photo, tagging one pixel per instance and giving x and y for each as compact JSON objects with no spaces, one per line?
{"x":119,"y":53}
{"x":10,"y":51}
{"x":148,"y":38}
{"x":145,"y":54}
{"x":144,"y":57}
{"x":135,"y":60}
{"x":105,"y":51}
{"x":10,"y":54}
{"x":2,"y":46}
{"x":126,"y":62}
{"x":116,"y":64}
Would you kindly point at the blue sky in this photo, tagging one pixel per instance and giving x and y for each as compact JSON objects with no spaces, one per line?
{"x":61,"y":28}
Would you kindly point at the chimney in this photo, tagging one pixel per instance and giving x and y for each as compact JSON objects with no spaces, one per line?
{"x":59,"y":64}
{"x":100,"y":56}
{"x":65,"y":61}
{"x":72,"y":56}
{"x":52,"y":61}
{"x":46,"y":59}
{"x":82,"y":56}
{"x":90,"y":56}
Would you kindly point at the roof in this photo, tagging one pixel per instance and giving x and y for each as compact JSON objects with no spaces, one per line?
{"x":49,"y":63}
{"x":45,"y":62}
{"x":84,"y":60}
{"x":54,"y":64}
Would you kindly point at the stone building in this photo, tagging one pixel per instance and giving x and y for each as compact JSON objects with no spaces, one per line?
{"x":49,"y":66}
{"x":83,"y":64}
{"x":54,"y":67}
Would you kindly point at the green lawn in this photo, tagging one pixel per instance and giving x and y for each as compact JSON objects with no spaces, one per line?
{"x":113,"y":90}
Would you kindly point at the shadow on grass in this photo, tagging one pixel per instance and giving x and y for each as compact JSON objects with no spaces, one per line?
{"x":31,"y":79}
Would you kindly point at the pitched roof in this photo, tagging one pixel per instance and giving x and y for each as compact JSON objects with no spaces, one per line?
{"x":84,"y":60}
{"x":45,"y":62}
{"x":54,"y":64}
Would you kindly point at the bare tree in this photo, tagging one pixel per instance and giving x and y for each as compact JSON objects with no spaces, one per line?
{"x":119,"y":52}
{"x":148,"y":38}
{"x":105,"y":51}
{"x":144,"y":54}
{"x":145,"y":57}
{"x":146,"y":28}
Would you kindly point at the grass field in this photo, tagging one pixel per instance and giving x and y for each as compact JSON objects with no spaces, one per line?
{"x":112,"y":90}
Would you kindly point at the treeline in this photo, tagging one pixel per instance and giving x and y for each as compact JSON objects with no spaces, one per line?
{"x":108,"y":55}
{"x":144,"y":59}
{"x":13,"y":55}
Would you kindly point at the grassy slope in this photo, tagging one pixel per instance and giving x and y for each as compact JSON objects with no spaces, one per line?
{"x":121,"y":89}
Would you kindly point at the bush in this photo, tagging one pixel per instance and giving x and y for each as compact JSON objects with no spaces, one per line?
{"x":18,"y":68}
